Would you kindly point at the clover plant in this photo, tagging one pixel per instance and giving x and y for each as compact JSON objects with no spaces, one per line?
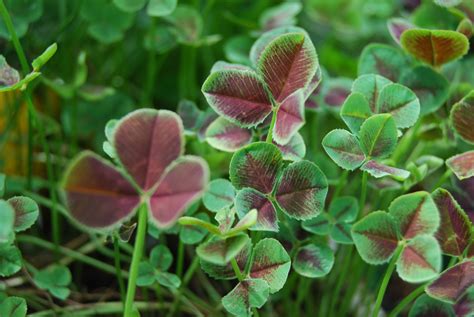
{"x":259,"y":158}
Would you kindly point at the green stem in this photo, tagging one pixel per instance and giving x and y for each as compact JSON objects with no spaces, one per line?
{"x":237,"y":271}
{"x":302,"y":292}
{"x":118,"y":268}
{"x":272,"y":126}
{"x":187,"y":277}
{"x":386,"y":279}
{"x":363,"y":194}
{"x":136,"y":258}
{"x":406,"y":143}
{"x":340,"y":184}
{"x":32,"y":120}
{"x":180,"y":264}
{"x":78,"y":256}
{"x":407,"y":300}
{"x":357,"y":272}
{"x":190,"y":272}
{"x":109,"y":308}
{"x":341,"y":280}
{"x":442,"y":179}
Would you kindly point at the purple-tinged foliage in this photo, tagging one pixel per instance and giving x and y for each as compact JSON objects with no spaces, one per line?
{"x":454,"y":232}
{"x":462,"y":165}
{"x":172,"y":195}
{"x":384,"y":60}
{"x":250,"y":293}
{"x":313,"y":261}
{"x":397,"y":26}
{"x":416,"y":214}
{"x":26,"y":212}
{"x":189,"y":114}
{"x":370,"y":86}
{"x":97,"y":195}
{"x":238,"y":95}
{"x":265,"y":39}
{"x":281,"y":15}
{"x":434,"y":47}
{"x":295,"y":149}
{"x":225,"y":272}
{"x":220,"y":251}
{"x":376,"y":237}
{"x":335,"y":91}
{"x":465,"y":306}
{"x":288,"y":63}
{"x":287,"y":72}
{"x":401,"y":103}
{"x":453,"y":282}
{"x":148,"y":144}
{"x":431,"y":87}
{"x":466,"y":27}
{"x":409,"y":227}
{"x":378,"y":136}
{"x":256,"y":166}
{"x":271,"y":263}
{"x":290,"y":118}
{"x":302,"y":190}
{"x":221,"y":65}
{"x":426,"y":306}
{"x":248,"y":199}
{"x":462,"y":118}
{"x":379,"y":170}
{"x":420,"y":259}
{"x":227,"y":136}
{"x":219,"y":194}
{"x":344,"y":149}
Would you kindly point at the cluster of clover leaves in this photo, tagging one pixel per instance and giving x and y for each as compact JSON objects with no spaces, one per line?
{"x":271,"y":187}
{"x":18,"y":214}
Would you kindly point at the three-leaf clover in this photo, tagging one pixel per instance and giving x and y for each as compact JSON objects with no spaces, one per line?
{"x":147,"y":145}
{"x":155,"y":269}
{"x":374,"y":112}
{"x":337,"y":221}
{"x":431,"y":87}
{"x":55,"y":280}
{"x":406,"y":232}
{"x":258,"y":172}
{"x":285,"y":67}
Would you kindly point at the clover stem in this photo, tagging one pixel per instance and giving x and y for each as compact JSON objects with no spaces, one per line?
{"x":407,"y":300}
{"x":442,"y":179}
{"x":386,"y":279}
{"x":342,"y":278}
{"x":118,"y":268}
{"x":272,"y":125}
{"x":32,"y":123}
{"x":237,"y":271}
{"x":340,"y":184}
{"x":363,"y":193}
{"x":136,"y":258}
{"x":79,"y":256}
{"x":180,"y":263}
{"x":406,"y":143}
